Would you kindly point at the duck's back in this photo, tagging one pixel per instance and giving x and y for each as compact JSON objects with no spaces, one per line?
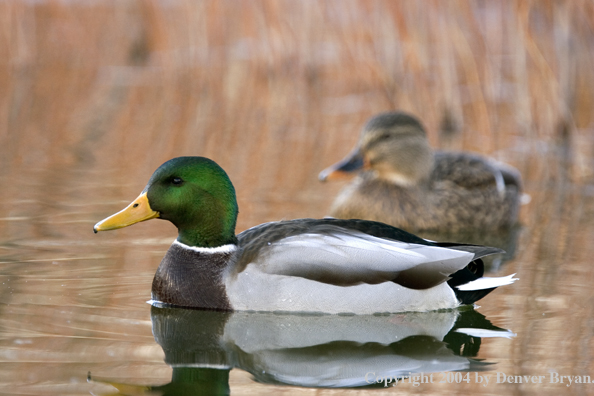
{"x":349,"y":266}
{"x":472,"y":171}
{"x":465,"y":192}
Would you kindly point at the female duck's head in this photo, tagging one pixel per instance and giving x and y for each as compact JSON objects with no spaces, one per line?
{"x":394,"y":146}
{"x":193,"y":193}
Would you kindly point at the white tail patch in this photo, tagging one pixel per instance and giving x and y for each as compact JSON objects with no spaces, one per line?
{"x":484,"y":333}
{"x":487,"y":283}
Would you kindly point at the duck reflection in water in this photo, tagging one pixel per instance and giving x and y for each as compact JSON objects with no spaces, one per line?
{"x":327,"y":351}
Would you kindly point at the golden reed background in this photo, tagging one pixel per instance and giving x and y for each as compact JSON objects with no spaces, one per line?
{"x":132,"y":81}
{"x":277,"y":90}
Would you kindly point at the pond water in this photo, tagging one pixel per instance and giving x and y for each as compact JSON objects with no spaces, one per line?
{"x":74,"y":306}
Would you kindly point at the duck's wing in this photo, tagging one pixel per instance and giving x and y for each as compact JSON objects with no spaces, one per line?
{"x":473,"y":171}
{"x":339,"y":252}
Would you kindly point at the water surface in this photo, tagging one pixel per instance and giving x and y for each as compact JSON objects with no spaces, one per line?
{"x":74,"y":302}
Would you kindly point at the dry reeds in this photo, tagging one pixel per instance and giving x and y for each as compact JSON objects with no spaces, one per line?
{"x":277,"y":90}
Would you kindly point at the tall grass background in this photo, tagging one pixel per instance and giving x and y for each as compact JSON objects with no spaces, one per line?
{"x":121,"y":81}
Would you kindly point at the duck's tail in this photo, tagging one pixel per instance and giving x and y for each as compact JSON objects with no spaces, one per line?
{"x":469,"y":283}
{"x":488,"y":283}
{"x":472,"y":291}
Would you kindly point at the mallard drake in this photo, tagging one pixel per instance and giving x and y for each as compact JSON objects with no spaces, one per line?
{"x":305,"y":265}
{"x":404,"y":183}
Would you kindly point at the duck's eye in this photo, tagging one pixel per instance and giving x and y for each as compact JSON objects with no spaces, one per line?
{"x":383,"y":136}
{"x":177,"y":181}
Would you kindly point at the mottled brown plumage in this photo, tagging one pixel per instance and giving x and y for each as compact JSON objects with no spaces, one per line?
{"x":406,"y":184}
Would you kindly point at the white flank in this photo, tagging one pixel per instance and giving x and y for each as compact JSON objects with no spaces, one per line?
{"x":219,"y":249}
{"x":488,"y":283}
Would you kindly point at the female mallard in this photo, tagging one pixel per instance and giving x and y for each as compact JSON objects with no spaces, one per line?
{"x":306,"y":265}
{"x":405,"y":184}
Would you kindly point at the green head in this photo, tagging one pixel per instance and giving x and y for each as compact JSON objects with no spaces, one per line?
{"x":193,"y":193}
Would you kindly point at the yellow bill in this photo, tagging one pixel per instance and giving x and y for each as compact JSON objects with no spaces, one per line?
{"x":139,"y":210}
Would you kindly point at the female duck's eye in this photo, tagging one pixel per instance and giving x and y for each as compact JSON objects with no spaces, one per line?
{"x":383,"y":136}
{"x":177,"y":181}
